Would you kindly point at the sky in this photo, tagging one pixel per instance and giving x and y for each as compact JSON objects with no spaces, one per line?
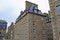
{"x":10,"y":9}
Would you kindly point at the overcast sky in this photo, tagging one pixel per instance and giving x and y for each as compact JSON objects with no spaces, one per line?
{"x":10,"y":9}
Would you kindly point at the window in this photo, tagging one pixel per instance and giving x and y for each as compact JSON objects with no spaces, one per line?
{"x":39,"y":12}
{"x":3,"y":27}
{"x":1,"y":38}
{"x":34,"y":24}
{"x":58,"y":9}
{"x":34,"y":30}
{"x":48,"y":19}
{"x":33,"y":8}
{"x":35,"y":11}
{"x":56,"y":0}
{"x":34,"y":37}
{"x":0,"y":32}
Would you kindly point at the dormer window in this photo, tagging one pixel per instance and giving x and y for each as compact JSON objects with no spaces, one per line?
{"x":48,"y":19}
{"x":39,"y":12}
{"x":35,"y":11}
{"x":36,"y":7}
{"x":33,"y":8}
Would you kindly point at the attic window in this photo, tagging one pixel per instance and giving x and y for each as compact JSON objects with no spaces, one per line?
{"x":33,"y":8}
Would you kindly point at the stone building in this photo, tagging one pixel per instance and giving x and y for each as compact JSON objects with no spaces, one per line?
{"x":10,"y":33}
{"x":55,"y":18}
{"x":49,"y":26}
{"x":32,"y":24}
{"x":3,"y":27}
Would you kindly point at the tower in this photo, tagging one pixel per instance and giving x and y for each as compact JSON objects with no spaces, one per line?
{"x":55,"y":18}
{"x":10,"y":33}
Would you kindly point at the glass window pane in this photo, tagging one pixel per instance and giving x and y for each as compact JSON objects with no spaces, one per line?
{"x":35,"y":11}
{"x":58,"y":9}
{"x":36,"y":7}
{"x":31,"y":8}
{"x":39,"y":12}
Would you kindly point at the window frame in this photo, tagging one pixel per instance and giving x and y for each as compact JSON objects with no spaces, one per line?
{"x":58,"y":8}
